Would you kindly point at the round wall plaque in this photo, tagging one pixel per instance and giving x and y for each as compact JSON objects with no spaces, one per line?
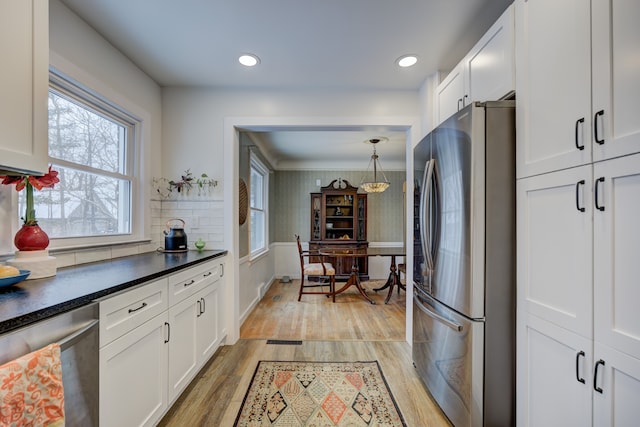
{"x":243,"y":202}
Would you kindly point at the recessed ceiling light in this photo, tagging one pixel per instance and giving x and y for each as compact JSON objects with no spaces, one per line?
{"x":407,"y":60}
{"x":248,"y":60}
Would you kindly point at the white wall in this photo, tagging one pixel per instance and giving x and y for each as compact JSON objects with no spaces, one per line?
{"x":196,"y":136}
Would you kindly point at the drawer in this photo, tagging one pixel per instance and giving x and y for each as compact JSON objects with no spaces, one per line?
{"x":187,"y":282}
{"x":130,"y":309}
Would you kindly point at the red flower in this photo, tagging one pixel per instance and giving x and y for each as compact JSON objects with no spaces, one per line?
{"x":38,"y":182}
{"x":46,"y":181}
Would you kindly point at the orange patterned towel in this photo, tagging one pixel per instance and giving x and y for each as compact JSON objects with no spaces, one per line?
{"x":31,"y":392}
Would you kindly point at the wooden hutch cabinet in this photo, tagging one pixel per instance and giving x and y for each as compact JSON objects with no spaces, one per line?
{"x":339,"y":219}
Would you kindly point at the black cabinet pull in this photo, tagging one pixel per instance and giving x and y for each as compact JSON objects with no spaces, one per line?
{"x":131,"y":310}
{"x":578,"y":377}
{"x":578,"y":184}
{"x":578,"y":122}
{"x":189,"y":283}
{"x":464,"y":100}
{"x":600,"y":208}
{"x":595,"y":127}
{"x":459,"y":101}
{"x":199,"y":307}
{"x":595,"y":376}
{"x":168,"y":332}
{"x":207,"y":274}
{"x":221,"y":270}
{"x":204,"y":305}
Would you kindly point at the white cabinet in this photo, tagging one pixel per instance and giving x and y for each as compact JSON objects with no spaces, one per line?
{"x":554,"y":375}
{"x":154,"y":339}
{"x":577,"y":85}
{"x":616,"y":388}
{"x":487,"y":72}
{"x":24,"y":47}
{"x":133,"y":376}
{"x":616,"y":86}
{"x":578,"y":246}
{"x":195,"y":335}
{"x":450,"y":93}
{"x":616,"y":259}
{"x":554,"y":248}
{"x":577,"y":149}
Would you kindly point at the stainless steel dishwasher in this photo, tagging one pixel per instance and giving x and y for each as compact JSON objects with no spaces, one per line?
{"x":76,"y":332}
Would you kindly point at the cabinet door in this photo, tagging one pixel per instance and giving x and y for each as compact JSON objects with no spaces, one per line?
{"x":183,"y":355}
{"x":552,"y":363}
{"x":208,"y":324}
{"x":450,"y":93}
{"x":619,"y":381}
{"x":554,"y":247}
{"x":553,"y":114}
{"x":24,"y":47}
{"x":616,"y":86}
{"x":616,"y":251}
{"x":490,"y":65}
{"x":133,"y":376}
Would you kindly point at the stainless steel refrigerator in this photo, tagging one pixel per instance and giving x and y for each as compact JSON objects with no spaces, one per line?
{"x":464,"y":264}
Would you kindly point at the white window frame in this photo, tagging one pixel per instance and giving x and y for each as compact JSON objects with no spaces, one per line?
{"x":256,"y":164}
{"x":80,"y":93}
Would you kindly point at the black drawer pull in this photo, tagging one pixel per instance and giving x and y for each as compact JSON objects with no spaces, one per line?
{"x":189,"y":283}
{"x":596,"y":127}
{"x":207,"y":274}
{"x":578,"y":184}
{"x":204,"y":305}
{"x":597,"y":199}
{"x":578,"y":146}
{"x":578,"y":377}
{"x":595,"y":376}
{"x":199,"y":308}
{"x":131,"y":310}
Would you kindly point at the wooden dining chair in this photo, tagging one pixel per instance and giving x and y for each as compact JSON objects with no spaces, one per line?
{"x":323,"y":271}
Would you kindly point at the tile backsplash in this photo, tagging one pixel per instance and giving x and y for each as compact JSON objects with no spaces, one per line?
{"x":203,"y":217}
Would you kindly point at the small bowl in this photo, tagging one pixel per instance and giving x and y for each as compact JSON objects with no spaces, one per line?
{"x":12,"y":280}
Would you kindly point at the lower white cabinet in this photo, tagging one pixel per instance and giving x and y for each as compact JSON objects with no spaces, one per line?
{"x":568,"y":380}
{"x":194,"y":336}
{"x":133,"y":376}
{"x":616,"y":388}
{"x":150,"y":353}
{"x":553,"y":363}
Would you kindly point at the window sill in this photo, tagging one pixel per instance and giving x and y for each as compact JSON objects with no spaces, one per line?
{"x":258,"y":255}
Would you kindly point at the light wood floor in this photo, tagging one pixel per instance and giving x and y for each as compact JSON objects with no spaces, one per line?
{"x":349,"y":330}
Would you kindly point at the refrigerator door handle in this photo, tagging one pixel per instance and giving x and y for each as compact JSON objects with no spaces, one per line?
{"x":425,"y":234}
{"x":451,"y":324}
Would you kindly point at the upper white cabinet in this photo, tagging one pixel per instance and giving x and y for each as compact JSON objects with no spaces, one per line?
{"x":616,"y":82}
{"x":568,"y":51}
{"x":486,"y":73}
{"x":24,"y":48}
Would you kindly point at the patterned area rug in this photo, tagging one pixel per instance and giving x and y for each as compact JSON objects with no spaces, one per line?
{"x":319,"y":394}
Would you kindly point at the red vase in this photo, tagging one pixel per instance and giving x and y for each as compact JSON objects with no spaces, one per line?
{"x":31,"y":238}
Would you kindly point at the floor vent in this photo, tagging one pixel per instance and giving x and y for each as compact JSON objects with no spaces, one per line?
{"x":284,"y":342}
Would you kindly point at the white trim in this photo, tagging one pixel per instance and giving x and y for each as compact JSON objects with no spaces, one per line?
{"x":232,"y":127}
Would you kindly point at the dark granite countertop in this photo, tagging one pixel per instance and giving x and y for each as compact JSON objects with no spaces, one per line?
{"x":33,"y":300}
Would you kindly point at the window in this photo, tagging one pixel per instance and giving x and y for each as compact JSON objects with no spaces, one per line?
{"x":92,"y":146}
{"x":259,"y":183}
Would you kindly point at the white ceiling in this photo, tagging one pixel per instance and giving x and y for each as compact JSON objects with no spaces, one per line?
{"x":302,"y":44}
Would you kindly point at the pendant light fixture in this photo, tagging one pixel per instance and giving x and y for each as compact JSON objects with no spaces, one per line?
{"x":376,"y":185}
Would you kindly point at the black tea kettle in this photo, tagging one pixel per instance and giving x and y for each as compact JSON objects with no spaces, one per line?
{"x":175,"y":239}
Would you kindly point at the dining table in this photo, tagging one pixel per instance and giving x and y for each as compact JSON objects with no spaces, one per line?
{"x":353,"y":253}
